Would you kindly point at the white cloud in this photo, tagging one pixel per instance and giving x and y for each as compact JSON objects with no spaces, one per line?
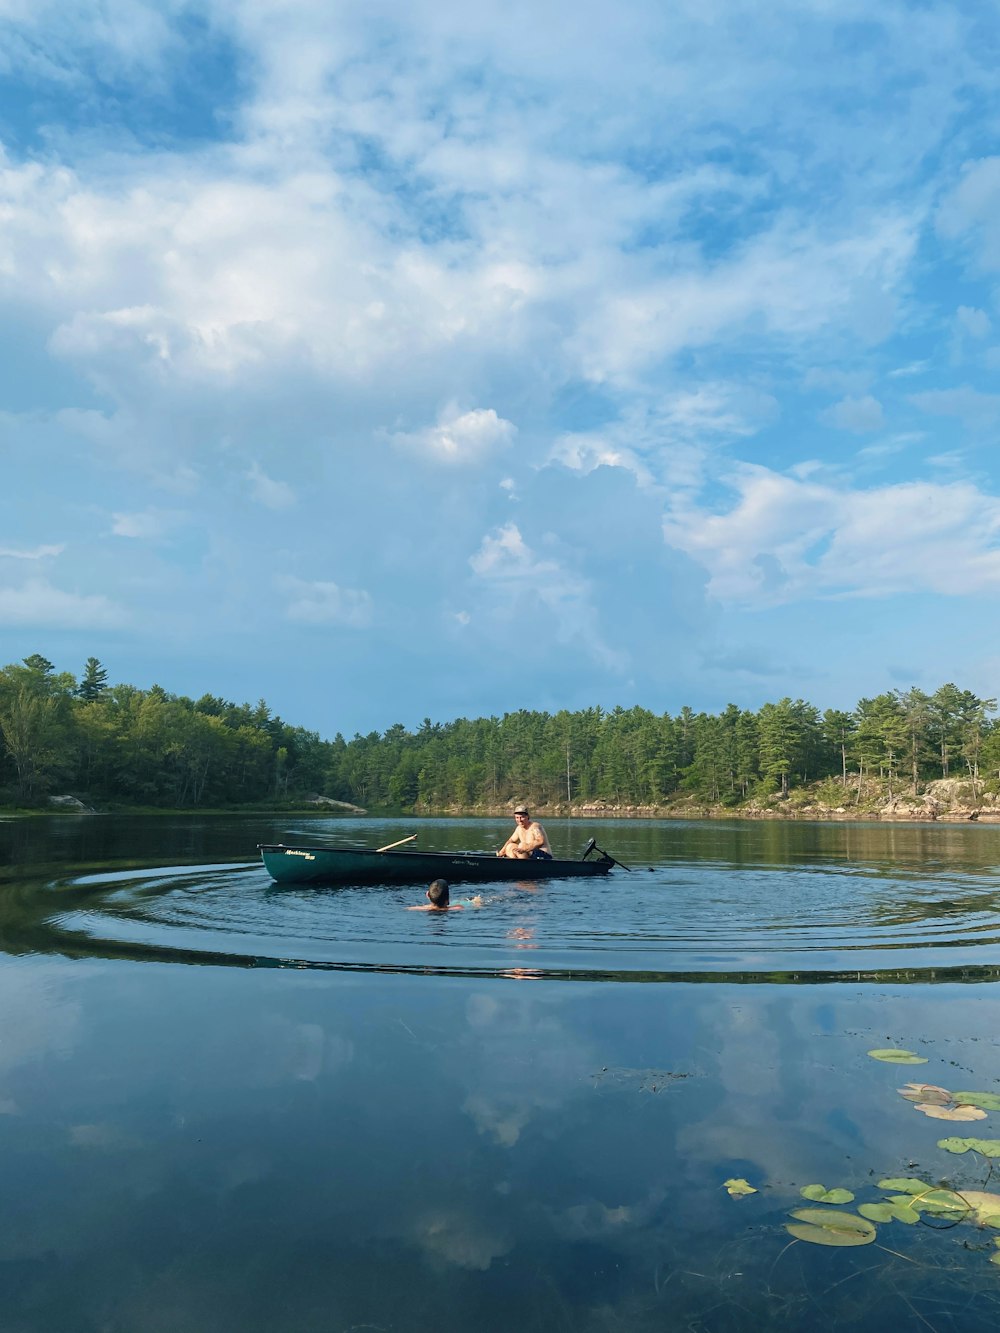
{"x":320,"y":603}
{"x":147,"y":525}
{"x":788,"y":286}
{"x":542,"y":590}
{"x":268,"y":492}
{"x":910,"y":369}
{"x":36,"y":553}
{"x":461,"y":437}
{"x":39,"y":603}
{"x":975,"y":409}
{"x":505,"y":556}
{"x":974,"y":322}
{"x":856,"y":414}
{"x":973,"y":209}
{"x":787,"y":539}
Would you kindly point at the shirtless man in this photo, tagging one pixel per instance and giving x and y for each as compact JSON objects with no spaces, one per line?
{"x":528,"y":841}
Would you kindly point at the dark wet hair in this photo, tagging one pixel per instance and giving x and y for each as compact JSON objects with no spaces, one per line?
{"x":439,"y":893}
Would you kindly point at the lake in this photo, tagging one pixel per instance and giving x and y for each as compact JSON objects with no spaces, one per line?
{"x":229,"y":1106}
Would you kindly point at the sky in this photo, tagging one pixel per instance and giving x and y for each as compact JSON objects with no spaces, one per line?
{"x":390,"y":361}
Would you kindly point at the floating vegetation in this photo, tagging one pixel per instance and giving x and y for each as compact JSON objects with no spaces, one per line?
{"x":645,"y":1080}
{"x":889,"y":1212}
{"x":904,"y":1185}
{"x":940,"y":1104}
{"x":896,"y":1057}
{"x":988,"y":1147}
{"x":985,"y":1207}
{"x":820,"y":1194}
{"x":907,"y":1199}
{"x":821,"y":1226}
{"x":989,"y":1101}
{"x":926,"y":1093}
{"x":739,"y":1188}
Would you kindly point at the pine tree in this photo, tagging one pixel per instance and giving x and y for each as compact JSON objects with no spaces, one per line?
{"x":95,"y":681}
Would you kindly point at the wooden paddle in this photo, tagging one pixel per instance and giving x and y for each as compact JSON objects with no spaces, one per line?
{"x":389,"y":846}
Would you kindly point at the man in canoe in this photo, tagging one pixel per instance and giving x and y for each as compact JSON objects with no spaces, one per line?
{"x":528,"y":841}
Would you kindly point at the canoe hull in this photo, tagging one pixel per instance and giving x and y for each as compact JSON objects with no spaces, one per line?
{"x":336,"y":865}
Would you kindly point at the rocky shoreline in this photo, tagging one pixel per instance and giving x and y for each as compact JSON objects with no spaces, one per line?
{"x":946,"y":801}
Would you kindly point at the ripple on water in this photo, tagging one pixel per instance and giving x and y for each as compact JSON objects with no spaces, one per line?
{"x":676,"y":921}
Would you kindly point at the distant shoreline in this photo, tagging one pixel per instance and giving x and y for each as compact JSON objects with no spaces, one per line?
{"x":945,"y":801}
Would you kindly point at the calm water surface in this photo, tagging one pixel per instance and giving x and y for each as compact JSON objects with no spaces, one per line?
{"x":229,"y":1106}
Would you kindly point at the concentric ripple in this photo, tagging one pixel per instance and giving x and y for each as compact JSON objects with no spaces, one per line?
{"x":814,"y":917}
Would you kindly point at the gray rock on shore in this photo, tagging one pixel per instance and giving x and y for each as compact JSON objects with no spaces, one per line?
{"x":72,"y":803}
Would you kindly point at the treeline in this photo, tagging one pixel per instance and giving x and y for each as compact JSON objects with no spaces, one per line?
{"x":119,"y":744}
{"x":635,"y":757}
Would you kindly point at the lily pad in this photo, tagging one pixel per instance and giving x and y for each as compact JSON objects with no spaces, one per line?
{"x":819,"y":1226}
{"x":941,"y":1203}
{"x":905,"y":1185}
{"x":988,"y":1147}
{"x":739,"y":1187}
{"x":986,"y":1207}
{"x":989,"y":1101}
{"x":889,"y":1212}
{"x":926,"y":1093}
{"x":820,"y":1194}
{"x":897,"y":1057}
{"x":938,"y":1112}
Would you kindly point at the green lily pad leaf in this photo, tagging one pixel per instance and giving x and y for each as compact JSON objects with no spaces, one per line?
{"x":820,"y":1194}
{"x":989,"y":1101}
{"x":889,"y":1212}
{"x":897,"y":1057}
{"x":739,"y":1188}
{"x":988,"y":1147}
{"x":819,"y":1226}
{"x":940,"y":1202}
{"x":905,"y":1185}
{"x":995,"y":1259}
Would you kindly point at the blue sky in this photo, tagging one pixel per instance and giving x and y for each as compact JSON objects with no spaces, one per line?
{"x":391,"y":361}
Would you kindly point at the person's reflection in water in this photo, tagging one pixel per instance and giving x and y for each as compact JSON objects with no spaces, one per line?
{"x":523,"y":937}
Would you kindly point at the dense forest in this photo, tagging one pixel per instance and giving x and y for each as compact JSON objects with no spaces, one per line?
{"x":117,"y":745}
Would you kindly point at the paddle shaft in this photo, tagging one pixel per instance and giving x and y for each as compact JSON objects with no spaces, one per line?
{"x":389,"y":846}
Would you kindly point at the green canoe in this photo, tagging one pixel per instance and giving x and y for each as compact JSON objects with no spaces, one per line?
{"x":345,"y":865}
